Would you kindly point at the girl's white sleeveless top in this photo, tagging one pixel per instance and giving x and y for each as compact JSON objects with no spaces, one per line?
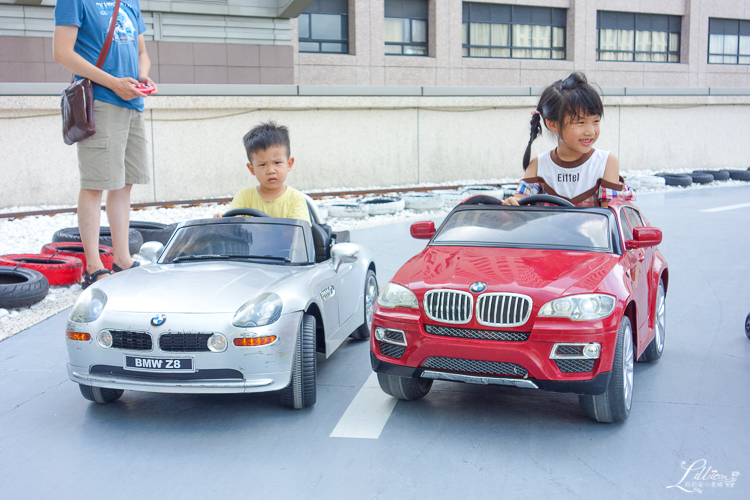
{"x":571,"y":182}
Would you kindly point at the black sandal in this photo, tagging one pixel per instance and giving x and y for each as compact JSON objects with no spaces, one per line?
{"x":90,"y":279}
{"x":118,"y":269}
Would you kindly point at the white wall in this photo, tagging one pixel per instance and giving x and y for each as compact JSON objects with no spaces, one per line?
{"x":346,"y":142}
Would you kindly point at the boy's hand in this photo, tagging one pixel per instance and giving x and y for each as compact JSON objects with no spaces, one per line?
{"x":511,"y":201}
{"x":217,"y":215}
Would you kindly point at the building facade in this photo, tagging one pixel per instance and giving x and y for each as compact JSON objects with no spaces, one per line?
{"x":649,"y":43}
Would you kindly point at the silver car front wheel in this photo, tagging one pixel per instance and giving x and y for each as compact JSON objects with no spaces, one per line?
{"x":302,"y":389}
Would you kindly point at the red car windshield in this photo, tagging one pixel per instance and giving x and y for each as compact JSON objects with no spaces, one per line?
{"x":552,"y":228}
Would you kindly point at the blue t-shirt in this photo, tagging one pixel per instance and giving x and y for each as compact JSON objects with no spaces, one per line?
{"x":93,"y":19}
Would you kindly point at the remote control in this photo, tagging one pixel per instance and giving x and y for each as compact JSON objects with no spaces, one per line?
{"x":142,"y":87}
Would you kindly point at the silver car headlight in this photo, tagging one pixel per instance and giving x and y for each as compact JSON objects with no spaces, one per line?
{"x":579,"y":307}
{"x":89,"y":306}
{"x":394,"y":295}
{"x":261,"y":311}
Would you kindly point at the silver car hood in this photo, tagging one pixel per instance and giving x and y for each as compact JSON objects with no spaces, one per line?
{"x":197,"y":287}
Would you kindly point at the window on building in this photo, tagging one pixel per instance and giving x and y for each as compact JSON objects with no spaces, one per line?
{"x":626,"y":36}
{"x":513,"y":31}
{"x":324,"y":27}
{"x":406,"y":27}
{"x":728,"y":41}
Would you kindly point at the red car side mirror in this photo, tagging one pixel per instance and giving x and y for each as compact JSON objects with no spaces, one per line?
{"x":422,"y":230}
{"x":644,"y":237}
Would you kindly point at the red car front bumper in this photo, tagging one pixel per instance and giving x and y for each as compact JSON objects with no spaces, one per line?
{"x":522,"y":363}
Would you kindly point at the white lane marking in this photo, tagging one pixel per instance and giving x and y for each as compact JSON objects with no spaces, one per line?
{"x":728,"y":207}
{"x":367,"y":414}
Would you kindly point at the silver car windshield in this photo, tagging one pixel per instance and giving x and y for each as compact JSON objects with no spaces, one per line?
{"x":539,"y":228}
{"x":272,"y":243}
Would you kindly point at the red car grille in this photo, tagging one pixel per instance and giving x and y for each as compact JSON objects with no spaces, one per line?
{"x":503,"y":309}
{"x":475,"y":366}
{"x":448,"y":306}
{"x":493,"y":309}
{"x":469,"y":333}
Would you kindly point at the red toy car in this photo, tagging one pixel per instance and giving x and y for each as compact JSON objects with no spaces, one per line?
{"x":557,"y":298}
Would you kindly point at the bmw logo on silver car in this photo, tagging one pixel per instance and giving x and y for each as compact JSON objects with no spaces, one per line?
{"x":478,"y":287}
{"x":159,"y":319}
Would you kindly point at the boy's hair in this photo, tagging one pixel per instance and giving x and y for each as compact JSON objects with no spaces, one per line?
{"x":264,"y":136}
{"x":562,"y":102}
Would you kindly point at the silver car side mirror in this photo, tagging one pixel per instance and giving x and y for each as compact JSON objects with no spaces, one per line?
{"x":344,"y":253}
{"x":151,"y":251}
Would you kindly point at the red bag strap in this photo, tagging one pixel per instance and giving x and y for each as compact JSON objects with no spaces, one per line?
{"x":110,"y":34}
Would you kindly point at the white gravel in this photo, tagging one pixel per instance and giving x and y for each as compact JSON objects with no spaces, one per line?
{"x":29,"y":234}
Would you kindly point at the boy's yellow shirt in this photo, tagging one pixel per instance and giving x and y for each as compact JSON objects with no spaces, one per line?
{"x":290,"y":205}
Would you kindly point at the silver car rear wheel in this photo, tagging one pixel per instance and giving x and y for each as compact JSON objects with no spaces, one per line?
{"x":371,"y":295}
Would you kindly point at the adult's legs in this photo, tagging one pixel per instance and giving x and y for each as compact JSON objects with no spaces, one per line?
{"x":89,"y":217}
{"x":118,"y":213}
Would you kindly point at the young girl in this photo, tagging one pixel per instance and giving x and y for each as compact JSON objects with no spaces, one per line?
{"x":574,"y":170}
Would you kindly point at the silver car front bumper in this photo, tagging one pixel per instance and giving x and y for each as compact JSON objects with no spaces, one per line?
{"x":241,"y":369}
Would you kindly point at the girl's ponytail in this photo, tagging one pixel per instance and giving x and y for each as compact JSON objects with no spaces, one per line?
{"x":536,"y":129}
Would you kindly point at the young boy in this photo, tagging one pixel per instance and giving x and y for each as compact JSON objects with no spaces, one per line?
{"x":268,"y":150}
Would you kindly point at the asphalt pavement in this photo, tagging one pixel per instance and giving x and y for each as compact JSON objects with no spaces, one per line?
{"x":688,"y":426}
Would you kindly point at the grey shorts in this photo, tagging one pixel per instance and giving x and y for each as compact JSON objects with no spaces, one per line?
{"x":116,"y":154}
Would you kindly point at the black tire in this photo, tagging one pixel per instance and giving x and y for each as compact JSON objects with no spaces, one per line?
{"x":405,"y":388}
{"x":615,"y":404}
{"x":100,"y":395}
{"x":301,"y":391}
{"x":371,"y":295}
{"x":719,"y":175}
{"x":71,"y":234}
{"x":656,"y":348}
{"x":739,"y":175}
{"x":153,"y":231}
{"x":21,"y":287}
{"x":676,"y":179}
{"x":701,"y":178}
{"x":747,"y":326}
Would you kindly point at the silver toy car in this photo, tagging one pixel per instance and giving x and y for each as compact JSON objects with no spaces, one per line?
{"x":233,"y":304}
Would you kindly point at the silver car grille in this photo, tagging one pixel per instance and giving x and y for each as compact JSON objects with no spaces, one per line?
{"x":448,"y":306}
{"x":503,"y":309}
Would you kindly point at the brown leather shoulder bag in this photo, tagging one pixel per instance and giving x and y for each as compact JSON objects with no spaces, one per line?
{"x":77,"y":102}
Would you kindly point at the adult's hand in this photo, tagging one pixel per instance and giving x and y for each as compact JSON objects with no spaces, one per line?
{"x":148,"y":81}
{"x":124,"y":88}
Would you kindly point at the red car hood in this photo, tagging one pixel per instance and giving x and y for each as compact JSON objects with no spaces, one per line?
{"x":541,"y":274}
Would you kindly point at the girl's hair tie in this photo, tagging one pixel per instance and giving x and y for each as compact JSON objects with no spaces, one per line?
{"x":535,"y":112}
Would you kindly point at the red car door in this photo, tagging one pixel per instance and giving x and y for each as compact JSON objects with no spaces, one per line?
{"x":637,"y":263}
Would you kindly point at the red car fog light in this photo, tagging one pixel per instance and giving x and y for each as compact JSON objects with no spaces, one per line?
{"x":77,"y":335}
{"x":390,"y":336}
{"x":577,"y":350}
{"x":254,"y":341}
